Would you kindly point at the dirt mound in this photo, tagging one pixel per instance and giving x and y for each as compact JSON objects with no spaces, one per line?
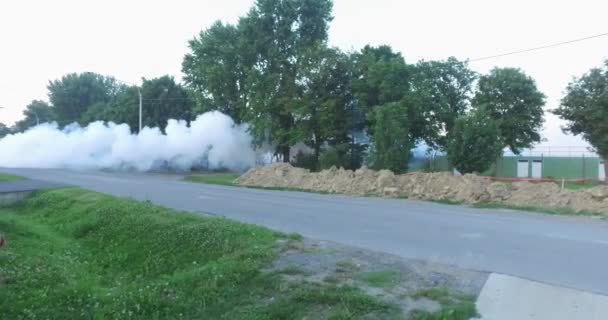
{"x":433,"y":186}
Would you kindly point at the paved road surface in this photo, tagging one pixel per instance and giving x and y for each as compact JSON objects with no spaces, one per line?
{"x":26,"y":185}
{"x":565,"y":251}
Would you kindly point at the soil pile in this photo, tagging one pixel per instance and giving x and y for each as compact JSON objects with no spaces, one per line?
{"x":431,"y":186}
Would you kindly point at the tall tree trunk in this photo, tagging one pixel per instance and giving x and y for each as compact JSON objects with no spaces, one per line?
{"x":605,"y":168}
{"x":317,"y":155}
{"x":285,"y":153}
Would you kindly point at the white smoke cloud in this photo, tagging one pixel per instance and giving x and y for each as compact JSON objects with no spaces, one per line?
{"x":212,"y":141}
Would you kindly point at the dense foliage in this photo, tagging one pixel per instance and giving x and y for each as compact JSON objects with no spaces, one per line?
{"x":474,"y":143}
{"x":585,"y":107}
{"x":512,"y":100}
{"x":391,"y":139}
{"x":4,"y":130}
{"x":273,"y":69}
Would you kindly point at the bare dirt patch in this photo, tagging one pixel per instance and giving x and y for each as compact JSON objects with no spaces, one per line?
{"x":440,"y":186}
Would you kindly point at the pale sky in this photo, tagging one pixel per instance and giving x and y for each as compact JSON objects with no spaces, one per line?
{"x":43,"y":40}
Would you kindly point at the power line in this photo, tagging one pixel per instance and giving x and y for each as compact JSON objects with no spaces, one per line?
{"x":539,"y":48}
{"x":164,"y":99}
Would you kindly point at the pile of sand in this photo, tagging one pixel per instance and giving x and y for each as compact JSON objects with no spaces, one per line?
{"x":434,"y":186}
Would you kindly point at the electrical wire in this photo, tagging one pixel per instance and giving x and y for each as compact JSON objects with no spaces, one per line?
{"x":538,"y":48}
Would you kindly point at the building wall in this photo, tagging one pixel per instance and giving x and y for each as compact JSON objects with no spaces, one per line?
{"x":552,"y":167}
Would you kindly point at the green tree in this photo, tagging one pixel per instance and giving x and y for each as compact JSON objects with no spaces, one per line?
{"x":256,"y":71}
{"x":585,"y":107}
{"x":442,"y":90}
{"x":392,"y":141}
{"x":326,"y":116}
{"x":163,"y":99}
{"x":35,"y":113}
{"x":281,"y":35}
{"x":4,"y":130}
{"x":74,"y":93}
{"x":512,"y":100}
{"x":474,"y":143}
{"x":216,"y":69}
{"x":380,"y":76}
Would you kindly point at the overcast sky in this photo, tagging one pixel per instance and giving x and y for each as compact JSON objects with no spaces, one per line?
{"x":42,"y":40}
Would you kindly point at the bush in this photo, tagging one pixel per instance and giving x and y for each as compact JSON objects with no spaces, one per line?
{"x":391,"y":142}
{"x":306,"y":161}
{"x":474,"y":143}
{"x":331,"y":156}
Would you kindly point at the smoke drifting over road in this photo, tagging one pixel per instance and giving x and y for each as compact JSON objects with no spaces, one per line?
{"x":211,"y":141}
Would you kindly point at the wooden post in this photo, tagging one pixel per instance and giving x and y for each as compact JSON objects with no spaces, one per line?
{"x":542,"y":166}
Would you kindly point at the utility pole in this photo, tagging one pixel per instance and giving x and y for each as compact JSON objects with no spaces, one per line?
{"x":140,"y":107}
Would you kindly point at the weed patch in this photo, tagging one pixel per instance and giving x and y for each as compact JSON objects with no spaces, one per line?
{"x":380,"y":279}
{"x":74,"y":254}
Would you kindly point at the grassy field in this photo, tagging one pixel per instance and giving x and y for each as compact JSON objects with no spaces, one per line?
{"x":74,"y":254}
{"x":570,"y":185}
{"x":226,"y":179}
{"x":9,"y":177}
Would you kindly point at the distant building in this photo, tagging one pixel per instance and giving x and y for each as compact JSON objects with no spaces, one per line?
{"x":557,"y":163}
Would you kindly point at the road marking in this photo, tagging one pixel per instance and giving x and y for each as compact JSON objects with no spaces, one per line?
{"x":507,"y":298}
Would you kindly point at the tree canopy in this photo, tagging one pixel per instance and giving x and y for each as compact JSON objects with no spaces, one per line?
{"x":513,"y":101}
{"x":475,"y":142}
{"x":163,"y":99}
{"x":274,"y":71}
{"x":585,"y":107}
{"x":35,"y":113}
{"x":392,"y":140}
{"x":442,"y":90}
{"x":256,"y":71}
{"x":216,"y":68}
{"x":4,"y":130}
{"x":74,"y":93}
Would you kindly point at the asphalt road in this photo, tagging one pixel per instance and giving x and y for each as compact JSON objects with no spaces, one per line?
{"x":564,"y":251}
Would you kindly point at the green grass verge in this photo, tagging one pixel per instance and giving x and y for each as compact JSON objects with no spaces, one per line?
{"x":579,"y":185}
{"x":567,"y":185}
{"x":225,"y":179}
{"x":454,"y":306}
{"x":555,"y":211}
{"x":381,"y":279}
{"x":9,"y":177}
{"x":74,"y":254}
{"x":501,"y":205}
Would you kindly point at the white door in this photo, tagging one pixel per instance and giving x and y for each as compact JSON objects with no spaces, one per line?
{"x":602,"y":175}
{"x":522,"y":169}
{"x":537,"y":169}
